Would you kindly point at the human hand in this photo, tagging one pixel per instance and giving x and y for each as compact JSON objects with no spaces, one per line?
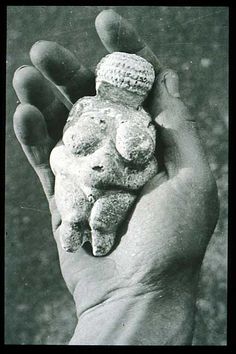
{"x":155,"y":264}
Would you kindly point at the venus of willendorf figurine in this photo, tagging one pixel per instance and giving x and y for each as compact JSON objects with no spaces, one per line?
{"x":106,"y":154}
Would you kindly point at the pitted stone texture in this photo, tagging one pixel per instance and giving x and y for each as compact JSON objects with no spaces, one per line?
{"x":105,"y":157}
{"x":126,"y":71}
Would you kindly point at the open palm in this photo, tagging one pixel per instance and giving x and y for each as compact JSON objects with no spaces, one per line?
{"x":164,"y":240}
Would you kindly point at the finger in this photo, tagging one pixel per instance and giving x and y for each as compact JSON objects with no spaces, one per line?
{"x":32,"y":88}
{"x":117,"y":34}
{"x":182,"y":147}
{"x":62,"y":68}
{"x":31,"y":131}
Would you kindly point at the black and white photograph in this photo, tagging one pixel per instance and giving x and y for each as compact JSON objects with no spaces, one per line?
{"x":116,"y":175}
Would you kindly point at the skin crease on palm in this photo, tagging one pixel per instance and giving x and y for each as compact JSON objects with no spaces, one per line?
{"x":144,"y":291}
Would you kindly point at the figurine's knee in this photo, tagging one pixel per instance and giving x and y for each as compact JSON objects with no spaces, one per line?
{"x":71,"y":201}
{"x":107,"y":214}
{"x":72,"y":216}
{"x":110,"y":210}
{"x":98,"y":221}
{"x":71,"y":236}
{"x":103,"y":215}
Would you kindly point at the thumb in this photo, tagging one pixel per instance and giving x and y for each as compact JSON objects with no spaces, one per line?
{"x":178,"y":131}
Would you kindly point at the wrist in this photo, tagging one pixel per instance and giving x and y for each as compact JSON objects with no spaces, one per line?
{"x":154,"y":317}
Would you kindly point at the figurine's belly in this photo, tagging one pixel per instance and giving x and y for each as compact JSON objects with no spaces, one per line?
{"x":100,"y":169}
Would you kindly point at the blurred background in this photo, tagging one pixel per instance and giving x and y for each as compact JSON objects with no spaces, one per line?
{"x":191,"y":40}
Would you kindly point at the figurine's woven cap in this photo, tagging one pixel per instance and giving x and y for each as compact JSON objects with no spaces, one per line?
{"x":126,"y":71}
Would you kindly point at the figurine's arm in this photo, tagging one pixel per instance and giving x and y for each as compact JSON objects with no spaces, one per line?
{"x":75,"y":111}
{"x":134,"y":143}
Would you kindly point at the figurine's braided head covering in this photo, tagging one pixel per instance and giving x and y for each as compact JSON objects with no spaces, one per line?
{"x":126,"y":71}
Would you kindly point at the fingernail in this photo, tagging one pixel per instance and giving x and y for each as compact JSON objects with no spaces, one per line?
{"x":21,"y":67}
{"x":172,"y":84}
{"x":37,"y":42}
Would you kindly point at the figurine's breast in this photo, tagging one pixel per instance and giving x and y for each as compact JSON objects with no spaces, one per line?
{"x":90,"y":125}
{"x":86,"y":135}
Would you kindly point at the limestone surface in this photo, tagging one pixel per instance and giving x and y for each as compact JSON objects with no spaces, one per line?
{"x":106,"y":155}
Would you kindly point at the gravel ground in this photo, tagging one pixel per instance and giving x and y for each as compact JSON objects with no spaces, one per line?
{"x":191,"y":40}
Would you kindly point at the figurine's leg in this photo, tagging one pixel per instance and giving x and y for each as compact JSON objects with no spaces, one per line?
{"x":107,"y":214}
{"x":74,"y":209}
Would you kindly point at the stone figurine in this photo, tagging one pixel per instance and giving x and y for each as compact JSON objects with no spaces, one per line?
{"x":106,"y":154}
